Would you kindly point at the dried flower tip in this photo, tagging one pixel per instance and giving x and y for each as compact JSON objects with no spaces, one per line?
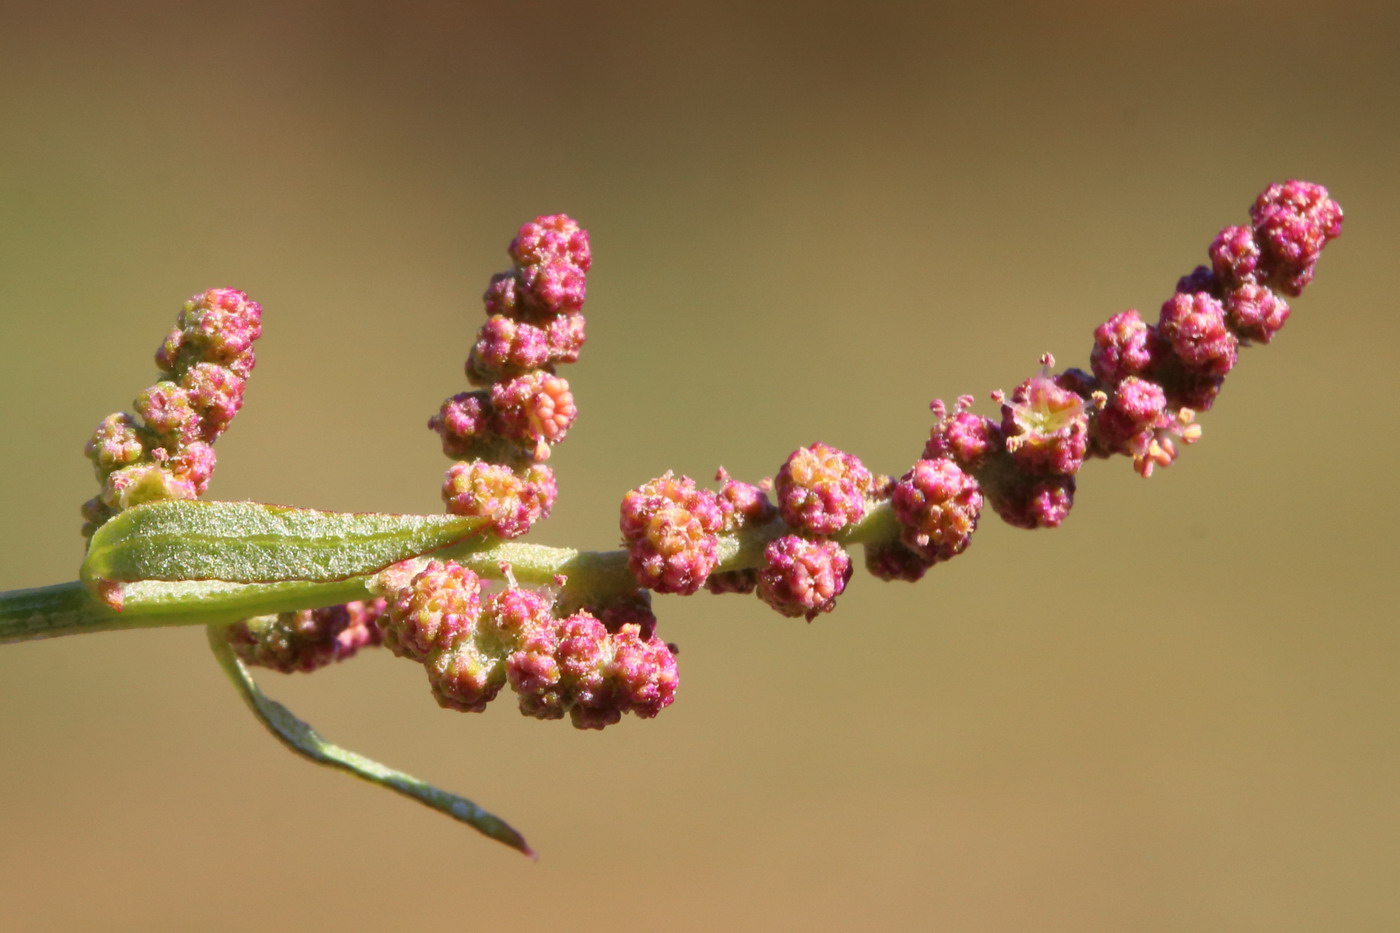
{"x":802,"y":577}
{"x":821,"y":490}
{"x":1136,"y":421}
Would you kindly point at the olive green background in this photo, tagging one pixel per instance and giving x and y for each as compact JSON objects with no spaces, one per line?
{"x":1177,"y":712}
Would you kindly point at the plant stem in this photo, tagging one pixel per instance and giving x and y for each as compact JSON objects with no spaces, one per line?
{"x":71,"y":609}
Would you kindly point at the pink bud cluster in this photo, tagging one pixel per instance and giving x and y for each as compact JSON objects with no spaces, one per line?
{"x":1140,"y":400}
{"x":165,"y":450}
{"x":1151,"y":380}
{"x":938,"y":501}
{"x":1147,"y":380}
{"x":309,"y":639}
{"x":671,"y":528}
{"x":472,"y":647}
{"x":502,"y":431}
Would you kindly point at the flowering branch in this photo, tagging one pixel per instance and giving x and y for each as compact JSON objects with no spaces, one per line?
{"x":571,"y":632}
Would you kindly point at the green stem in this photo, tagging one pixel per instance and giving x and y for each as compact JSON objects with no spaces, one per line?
{"x":592,"y":576}
{"x":305,"y":741}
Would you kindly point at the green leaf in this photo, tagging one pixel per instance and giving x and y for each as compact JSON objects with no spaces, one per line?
{"x":305,"y":741}
{"x":250,"y":542}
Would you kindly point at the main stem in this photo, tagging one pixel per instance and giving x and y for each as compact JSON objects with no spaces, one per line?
{"x":590,"y":576}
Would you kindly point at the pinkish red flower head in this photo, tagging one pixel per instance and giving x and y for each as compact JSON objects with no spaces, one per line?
{"x":582,"y":657}
{"x":617,"y":610}
{"x":642,"y":671}
{"x":511,"y":501}
{"x":219,"y":327}
{"x":1025,"y":501}
{"x":463,"y":422}
{"x":206,"y":358}
{"x":938,"y":504}
{"x":803,"y":577}
{"x":194,"y":463}
{"x":462,"y":675}
{"x":552,"y":257}
{"x":514,"y":612}
{"x":1122,"y":348}
{"x":821,"y":490}
{"x":440,"y":602}
{"x":506,"y":348}
{"x":892,"y":560}
{"x":1255,"y":313}
{"x":534,"y":410}
{"x":308,"y":639}
{"x":1046,"y":426}
{"x":115,"y":443}
{"x":743,"y":504}
{"x":565,"y":336}
{"x":169,"y":414}
{"x":1194,"y":325}
{"x":961,"y":436}
{"x":1293,"y":221}
{"x":670,"y":527}
{"x":1234,"y":257}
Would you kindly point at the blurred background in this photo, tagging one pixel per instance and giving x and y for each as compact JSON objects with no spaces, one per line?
{"x":1177,"y":712}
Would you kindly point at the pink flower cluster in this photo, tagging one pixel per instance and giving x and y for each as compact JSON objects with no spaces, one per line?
{"x":165,"y":450}
{"x":502,"y":431}
{"x":1148,"y":381}
{"x":1140,"y":400}
{"x":473,"y":647}
{"x":671,"y":528}
{"x":309,"y":639}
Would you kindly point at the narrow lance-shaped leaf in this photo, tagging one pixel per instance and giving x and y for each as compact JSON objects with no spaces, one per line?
{"x":251,"y":542}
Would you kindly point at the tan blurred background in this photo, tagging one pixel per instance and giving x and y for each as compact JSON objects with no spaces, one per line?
{"x":1178,"y":712}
